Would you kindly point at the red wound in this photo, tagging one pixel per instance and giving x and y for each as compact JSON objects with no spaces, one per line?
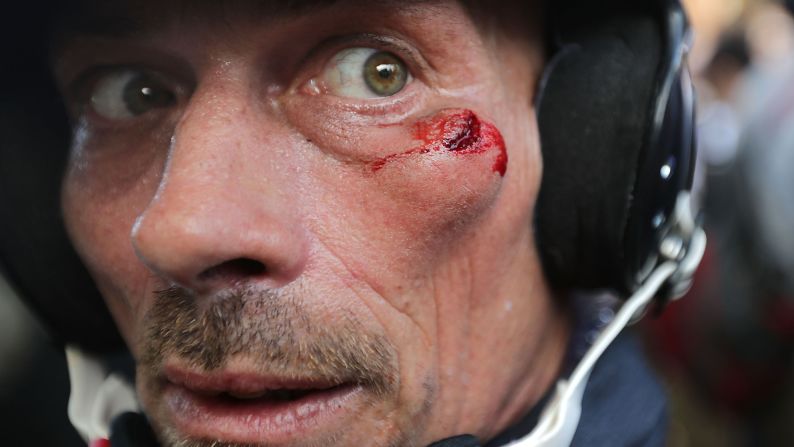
{"x":460,"y":133}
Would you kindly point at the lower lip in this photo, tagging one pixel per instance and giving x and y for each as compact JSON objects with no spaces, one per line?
{"x":256,"y":421}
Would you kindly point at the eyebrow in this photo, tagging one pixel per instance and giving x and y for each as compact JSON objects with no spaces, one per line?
{"x":87,"y":19}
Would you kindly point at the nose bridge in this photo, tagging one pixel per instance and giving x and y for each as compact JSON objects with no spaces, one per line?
{"x":217,"y":132}
{"x":219,"y":205}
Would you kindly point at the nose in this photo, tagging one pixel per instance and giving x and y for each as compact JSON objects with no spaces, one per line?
{"x":220,"y":216}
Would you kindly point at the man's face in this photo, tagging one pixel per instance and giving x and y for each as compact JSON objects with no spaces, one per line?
{"x":312,"y":225}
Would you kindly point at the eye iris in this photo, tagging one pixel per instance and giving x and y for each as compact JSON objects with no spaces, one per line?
{"x":385,"y":74}
{"x":142,"y":94}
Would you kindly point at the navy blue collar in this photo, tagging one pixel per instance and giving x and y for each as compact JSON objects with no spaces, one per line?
{"x":623,"y":405}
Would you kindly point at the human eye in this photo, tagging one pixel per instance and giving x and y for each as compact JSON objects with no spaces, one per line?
{"x":365,"y":73}
{"x":124,"y":94}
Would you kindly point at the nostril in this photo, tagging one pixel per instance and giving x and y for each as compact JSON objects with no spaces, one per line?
{"x":234,"y":269}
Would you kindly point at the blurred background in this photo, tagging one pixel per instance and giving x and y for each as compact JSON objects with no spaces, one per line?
{"x":725,"y":352}
{"x":34,"y":386}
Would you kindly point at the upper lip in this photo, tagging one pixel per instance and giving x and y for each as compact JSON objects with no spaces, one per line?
{"x":241,"y":383}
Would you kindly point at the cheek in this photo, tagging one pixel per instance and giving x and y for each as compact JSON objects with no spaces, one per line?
{"x":412,"y":191}
{"x":446,"y":176}
{"x":98,"y":221}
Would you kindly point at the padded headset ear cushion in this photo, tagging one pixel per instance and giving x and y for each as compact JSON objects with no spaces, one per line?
{"x":594,"y":114}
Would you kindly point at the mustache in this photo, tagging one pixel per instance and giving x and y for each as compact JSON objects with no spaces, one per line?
{"x":271,"y":327}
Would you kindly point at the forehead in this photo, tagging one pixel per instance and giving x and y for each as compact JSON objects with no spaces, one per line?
{"x":122,"y":17}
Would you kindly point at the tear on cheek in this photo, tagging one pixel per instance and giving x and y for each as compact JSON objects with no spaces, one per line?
{"x":458,"y":133}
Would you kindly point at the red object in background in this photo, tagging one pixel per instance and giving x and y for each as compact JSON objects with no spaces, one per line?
{"x":671,"y":337}
{"x":780,"y":316}
{"x":694,"y":340}
{"x":102,"y":442}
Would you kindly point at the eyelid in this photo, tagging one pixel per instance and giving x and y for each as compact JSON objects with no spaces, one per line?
{"x":417,"y":65}
{"x":321,"y":55}
{"x":78,"y":91}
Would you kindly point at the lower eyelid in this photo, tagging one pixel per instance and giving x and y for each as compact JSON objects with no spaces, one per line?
{"x":92,"y":121}
{"x":383,"y":111}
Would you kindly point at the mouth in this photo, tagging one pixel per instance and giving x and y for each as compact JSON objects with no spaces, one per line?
{"x":251,"y":409}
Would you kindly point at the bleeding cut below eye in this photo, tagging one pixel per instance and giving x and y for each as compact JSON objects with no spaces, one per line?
{"x":365,"y":73}
{"x":458,"y":132}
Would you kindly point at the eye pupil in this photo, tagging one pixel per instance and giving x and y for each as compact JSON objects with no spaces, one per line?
{"x":142,"y":94}
{"x":385,"y":73}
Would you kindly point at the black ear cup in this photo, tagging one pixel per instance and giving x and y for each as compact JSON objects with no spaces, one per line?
{"x":616,"y":113}
{"x":594,"y":113}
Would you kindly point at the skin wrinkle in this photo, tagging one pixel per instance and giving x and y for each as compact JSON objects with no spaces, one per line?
{"x":84,"y":19}
{"x":436,"y":293}
{"x":400,"y":440}
{"x":341,"y":134}
{"x":371,"y":310}
{"x":427,"y":340}
{"x":466,"y":334}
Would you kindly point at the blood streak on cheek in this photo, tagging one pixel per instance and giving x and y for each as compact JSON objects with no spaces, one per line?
{"x":460,"y":133}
